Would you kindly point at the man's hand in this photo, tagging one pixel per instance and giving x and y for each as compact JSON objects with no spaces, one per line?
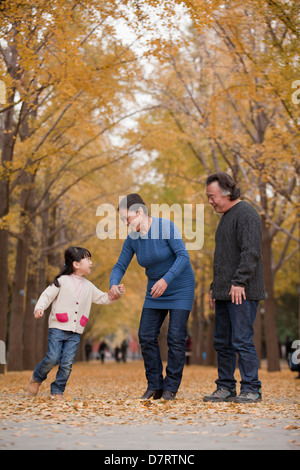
{"x":159,"y":288}
{"x":38,"y":313}
{"x":237,"y":294}
{"x":212,"y":301}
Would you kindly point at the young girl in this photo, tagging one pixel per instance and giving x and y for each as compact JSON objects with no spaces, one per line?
{"x":71,"y":296}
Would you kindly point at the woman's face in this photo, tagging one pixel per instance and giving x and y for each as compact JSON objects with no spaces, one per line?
{"x":132,"y":219}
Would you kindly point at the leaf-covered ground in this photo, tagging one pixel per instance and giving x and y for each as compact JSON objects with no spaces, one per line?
{"x":109,"y":395}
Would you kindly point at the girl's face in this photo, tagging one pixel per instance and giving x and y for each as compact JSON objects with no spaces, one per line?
{"x":82,"y":267}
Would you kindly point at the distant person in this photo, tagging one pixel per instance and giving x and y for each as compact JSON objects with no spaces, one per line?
{"x":102,"y":350}
{"x":159,"y":249}
{"x":124,"y":348}
{"x":71,"y":296}
{"x":88,"y":350}
{"x":117,"y":353}
{"x":188,"y":350}
{"x":237,"y":287}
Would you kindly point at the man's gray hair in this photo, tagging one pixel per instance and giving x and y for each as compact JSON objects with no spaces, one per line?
{"x":227,"y":185}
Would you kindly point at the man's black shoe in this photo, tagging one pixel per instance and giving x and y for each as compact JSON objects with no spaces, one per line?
{"x":221,"y":395}
{"x":155,"y":394}
{"x":168,"y":395}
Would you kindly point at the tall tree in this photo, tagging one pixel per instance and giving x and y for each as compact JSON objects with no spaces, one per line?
{"x":67,"y":77}
{"x":224,"y":102}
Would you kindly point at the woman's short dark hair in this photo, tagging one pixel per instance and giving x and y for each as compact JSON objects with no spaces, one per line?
{"x":133,"y":202}
{"x":226,"y":183}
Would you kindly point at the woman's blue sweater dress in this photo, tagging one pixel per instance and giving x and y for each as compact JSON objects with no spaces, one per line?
{"x":163,"y":254}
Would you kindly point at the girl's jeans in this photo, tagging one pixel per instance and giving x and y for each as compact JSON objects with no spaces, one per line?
{"x":62,"y":349}
{"x":234,"y":334}
{"x":151,"y":322}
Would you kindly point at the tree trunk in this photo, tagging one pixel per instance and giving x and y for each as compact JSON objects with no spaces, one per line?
{"x":15,"y":356}
{"x":269,"y":317}
{"x":198,"y":326}
{"x":29,"y":354}
{"x":299,"y":283}
{"x":7,"y":145}
{"x":29,"y":339}
{"x":195,"y":359}
{"x":3,"y":288}
{"x":41,"y":324}
{"x":211,"y":355}
{"x":15,"y":347}
{"x":258,"y":335}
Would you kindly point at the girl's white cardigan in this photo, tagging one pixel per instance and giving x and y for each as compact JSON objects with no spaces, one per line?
{"x":70,"y":312}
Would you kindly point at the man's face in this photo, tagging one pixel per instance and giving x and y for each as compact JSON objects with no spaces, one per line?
{"x":220,"y":203}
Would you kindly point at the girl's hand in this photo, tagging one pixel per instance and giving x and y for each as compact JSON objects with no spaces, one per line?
{"x":159,"y":288}
{"x":112,"y":295}
{"x":38,"y":313}
{"x":116,"y":292}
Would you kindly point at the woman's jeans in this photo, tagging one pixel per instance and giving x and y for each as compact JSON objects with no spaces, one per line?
{"x":62,"y":349}
{"x":234,"y":331}
{"x":151,"y":322}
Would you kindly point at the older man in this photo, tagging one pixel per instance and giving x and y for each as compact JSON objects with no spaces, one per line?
{"x":237,"y":287}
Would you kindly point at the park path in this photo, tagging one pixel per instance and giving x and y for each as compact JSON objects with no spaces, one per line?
{"x":102,"y":410}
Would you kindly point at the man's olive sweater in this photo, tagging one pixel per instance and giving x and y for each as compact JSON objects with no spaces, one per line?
{"x":238,"y":259}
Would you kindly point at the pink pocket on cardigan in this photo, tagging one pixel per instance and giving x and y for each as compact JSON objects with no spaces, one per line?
{"x":62,"y":317}
{"x":83,"y":321}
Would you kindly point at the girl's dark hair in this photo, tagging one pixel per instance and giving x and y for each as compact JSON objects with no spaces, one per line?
{"x":226,"y":183}
{"x":74,"y":253}
{"x":133,"y":202}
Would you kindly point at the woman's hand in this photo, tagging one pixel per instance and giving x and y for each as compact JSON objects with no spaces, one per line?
{"x":113,"y":293}
{"x":121,"y":289}
{"x":159,"y":288}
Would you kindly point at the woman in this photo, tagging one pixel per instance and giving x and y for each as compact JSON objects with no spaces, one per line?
{"x":171,"y":286}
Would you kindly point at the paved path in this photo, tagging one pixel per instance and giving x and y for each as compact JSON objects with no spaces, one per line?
{"x":33,"y":435}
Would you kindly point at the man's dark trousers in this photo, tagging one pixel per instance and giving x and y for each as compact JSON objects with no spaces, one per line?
{"x":234,"y":331}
